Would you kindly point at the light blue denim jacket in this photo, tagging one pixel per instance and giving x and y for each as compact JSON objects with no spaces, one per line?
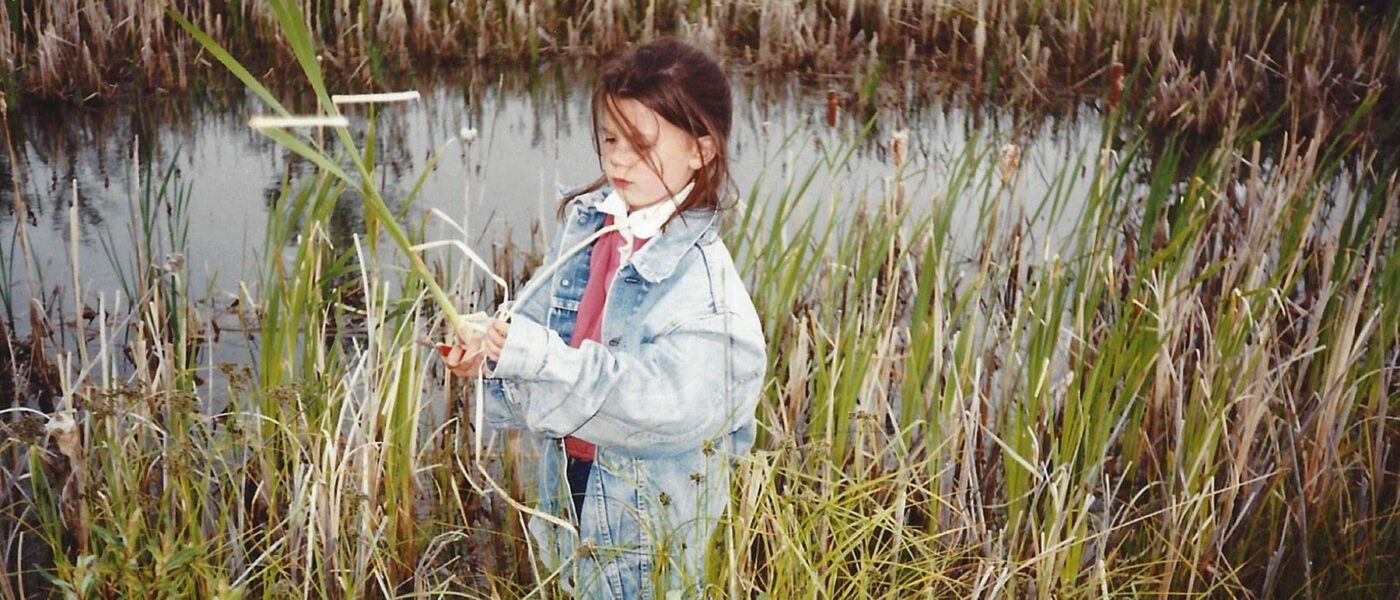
{"x":668,"y":397}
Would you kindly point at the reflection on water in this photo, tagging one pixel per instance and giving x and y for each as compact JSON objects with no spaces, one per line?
{"x":531,"y":135}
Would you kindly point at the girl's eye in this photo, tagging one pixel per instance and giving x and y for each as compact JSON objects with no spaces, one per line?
{"x":609,"y":140}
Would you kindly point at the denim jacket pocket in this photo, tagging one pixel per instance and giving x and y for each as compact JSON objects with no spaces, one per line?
{"x":563,"y":316}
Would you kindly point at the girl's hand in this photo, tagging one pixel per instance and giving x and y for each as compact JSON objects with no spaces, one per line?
{"x":496,"y":338}
{"x":468,"y":356}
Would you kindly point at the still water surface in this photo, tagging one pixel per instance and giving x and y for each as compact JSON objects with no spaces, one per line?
{"x":528,"y":139}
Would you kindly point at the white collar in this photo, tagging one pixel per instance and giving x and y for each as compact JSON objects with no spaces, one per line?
{"x":646,"y":222}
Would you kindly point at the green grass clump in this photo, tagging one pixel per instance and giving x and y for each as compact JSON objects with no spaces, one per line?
{"x":1177,"y":396}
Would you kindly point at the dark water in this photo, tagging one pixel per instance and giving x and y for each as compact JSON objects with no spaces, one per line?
{"x":529,"y":138}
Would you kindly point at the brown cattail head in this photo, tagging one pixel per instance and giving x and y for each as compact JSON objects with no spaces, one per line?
{"x":1115,"y":84}
{"x":898,"y":141}
{"x":833,"y":106}
{"x":1008,"y":161}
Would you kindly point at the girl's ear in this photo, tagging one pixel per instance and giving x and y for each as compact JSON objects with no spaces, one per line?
{"x":704,"y":152}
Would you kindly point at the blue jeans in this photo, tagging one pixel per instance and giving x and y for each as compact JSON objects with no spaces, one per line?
{"x":577,"y":473}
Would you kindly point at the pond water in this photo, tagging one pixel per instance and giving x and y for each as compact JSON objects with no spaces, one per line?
{"x":529,"y":137}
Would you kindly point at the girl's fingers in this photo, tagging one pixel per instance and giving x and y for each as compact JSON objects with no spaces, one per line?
{"x":454,"y":362}
{"x":464,"y":359}
{"x":453,"y":357}
{"x":494,"y":343}
{"x":465,"y":370}
{"x":467,"y":357}
{"x":496,"y":338}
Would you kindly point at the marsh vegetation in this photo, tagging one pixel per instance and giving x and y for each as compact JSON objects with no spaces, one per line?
{"x":1172,"y":370}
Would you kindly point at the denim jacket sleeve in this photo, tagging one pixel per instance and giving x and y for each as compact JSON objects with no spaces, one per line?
{"x":653,"y":399}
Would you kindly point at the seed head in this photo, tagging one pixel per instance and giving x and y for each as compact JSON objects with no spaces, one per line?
{"x":898,"y":140}
{"x":1115,"y":84}
{"x":833,"y":104}
{"x":174,"y":262}
{"x":1008,"y":161}
{"x":64,"y":429}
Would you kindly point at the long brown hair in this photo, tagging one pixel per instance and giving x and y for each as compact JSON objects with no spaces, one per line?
{"x":681,"y":84}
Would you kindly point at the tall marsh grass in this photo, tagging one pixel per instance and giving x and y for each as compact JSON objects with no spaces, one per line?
{"x":1192,"y":392}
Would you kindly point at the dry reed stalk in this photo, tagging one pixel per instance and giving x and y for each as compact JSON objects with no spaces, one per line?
{"x":8,"y":46}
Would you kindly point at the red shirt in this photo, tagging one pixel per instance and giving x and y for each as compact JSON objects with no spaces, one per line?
{"x":602,"y":266}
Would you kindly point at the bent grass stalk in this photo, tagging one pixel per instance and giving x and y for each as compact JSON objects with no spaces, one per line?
{"x":300,"y":40}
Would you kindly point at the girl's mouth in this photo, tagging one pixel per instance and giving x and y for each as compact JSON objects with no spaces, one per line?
{"x":620,"y":183}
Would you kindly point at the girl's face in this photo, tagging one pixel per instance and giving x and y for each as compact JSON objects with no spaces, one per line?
{"x":676,"y":154}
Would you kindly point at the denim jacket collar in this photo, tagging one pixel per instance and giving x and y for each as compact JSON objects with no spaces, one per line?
{"x":658,"y":259}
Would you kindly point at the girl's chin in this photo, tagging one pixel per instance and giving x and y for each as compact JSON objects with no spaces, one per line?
{"x":634,"y":202}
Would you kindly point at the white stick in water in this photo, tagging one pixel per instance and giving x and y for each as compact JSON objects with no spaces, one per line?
{"x":268,"y":122}
{"x":409,"y":96}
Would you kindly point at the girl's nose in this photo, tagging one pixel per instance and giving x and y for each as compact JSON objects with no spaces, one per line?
{"x":620,"y":155}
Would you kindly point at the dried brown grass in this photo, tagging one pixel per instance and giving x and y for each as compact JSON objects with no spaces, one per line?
{"x":1191,"y":64}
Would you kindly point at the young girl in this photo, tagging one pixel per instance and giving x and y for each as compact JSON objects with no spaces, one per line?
{"x":641,"y":366}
